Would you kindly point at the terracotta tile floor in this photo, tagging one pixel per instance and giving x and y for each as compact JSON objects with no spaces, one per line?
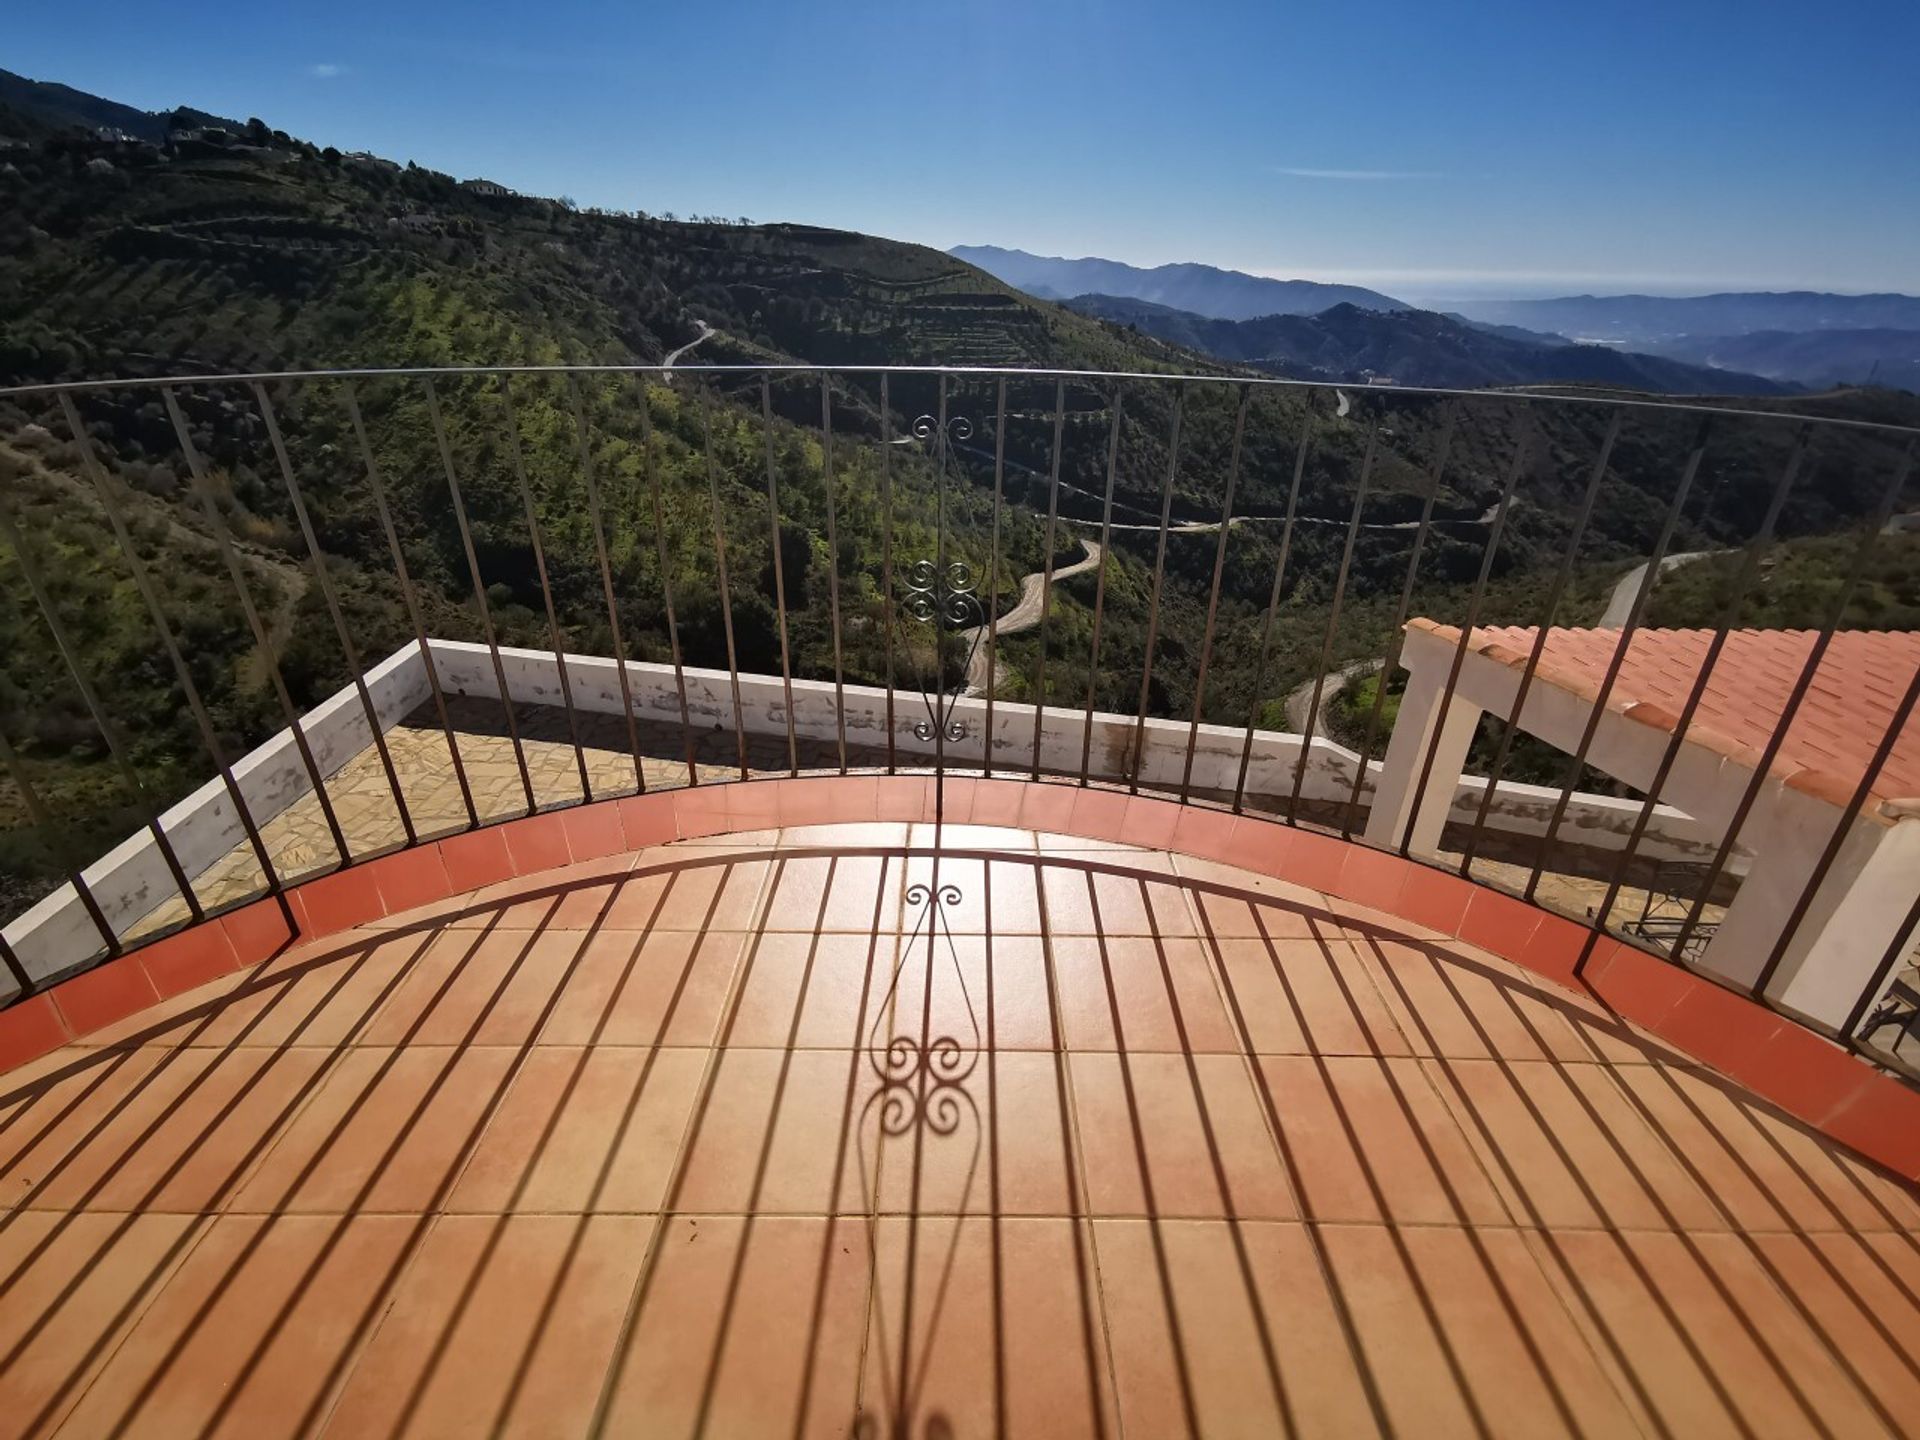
{"x":717,"y":1143}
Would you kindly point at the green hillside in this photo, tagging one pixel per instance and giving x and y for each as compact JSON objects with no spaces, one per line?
{"x":257,"y":252}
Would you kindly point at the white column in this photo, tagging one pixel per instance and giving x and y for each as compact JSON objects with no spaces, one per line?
{"x":1395,"y":785}
{"x":1845,"y":933}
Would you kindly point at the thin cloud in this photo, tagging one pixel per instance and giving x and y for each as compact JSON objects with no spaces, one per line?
{"x":326,"y":70}
{"x":1301,"y":172}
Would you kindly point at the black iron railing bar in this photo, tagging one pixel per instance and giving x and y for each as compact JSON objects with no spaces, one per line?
{"x":439,"y":424}
{"x":1555,"y":596}
{"x":1213,"y":592}
{"x":263,"y":641}
{"x":1153,"y":601}
{"x":511,"y":424}
{"x":379,"y":489}
{"x":1618,"y":659}
{"x":1396,"y":637}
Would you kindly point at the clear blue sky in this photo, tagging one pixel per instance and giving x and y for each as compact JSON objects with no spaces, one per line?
{"x":1426,"y":148}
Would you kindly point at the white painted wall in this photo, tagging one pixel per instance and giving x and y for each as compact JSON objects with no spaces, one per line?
{"x":131,"y":879}
{"x":532,"y":677}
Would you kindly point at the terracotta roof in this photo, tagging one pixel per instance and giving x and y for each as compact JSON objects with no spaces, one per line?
{"x":1845,"y":714}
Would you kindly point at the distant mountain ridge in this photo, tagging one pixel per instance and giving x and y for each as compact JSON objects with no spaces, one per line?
{"x":1200,"y":289}
{"x":62,"y":106}
{"x":1647,"y":320}
{"x":1413,"y":347}
{"x":1813,"y":357}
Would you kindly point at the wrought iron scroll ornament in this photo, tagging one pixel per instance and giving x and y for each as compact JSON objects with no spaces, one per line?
{"x":922,"y":1081}
{"x":920,"y":1096}
{"x":921,"y":1071}
{"x":942,"y":593}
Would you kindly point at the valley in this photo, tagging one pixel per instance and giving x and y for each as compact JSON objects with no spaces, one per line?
{"x":253,"y":251}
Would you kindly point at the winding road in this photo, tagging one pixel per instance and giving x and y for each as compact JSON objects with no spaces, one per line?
{"x":1620,"y":603}
{"x":1300,"y":699}
{"x":1024,"y":615}
{"x":673,"y":357}
{"x":1208,"y":527}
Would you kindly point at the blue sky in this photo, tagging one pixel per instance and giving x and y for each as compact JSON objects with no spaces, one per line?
{"x":1425,"y":148}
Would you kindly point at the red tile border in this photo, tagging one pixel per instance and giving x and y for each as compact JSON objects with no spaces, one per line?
{"x":1811,"y":1078}
{"x":1882,"y":1121}
{"x":755,"y":804}
{"x":1046,"y":806}
{"x":997,"y":802}
{"x":850,"y":800}
{"x":1314,"y":861}
{"x":410,"y":878}
{"x":594,"y":831}
{"x":1498,"y":922}
{"x":29,"y":1029}
{"x":188,"y":960}
{"x":700,"y":810}
{"x":647,"y":820}
{"x":1371,"y":877}
{"x":1726,"y":1030}
{"x":1432,"y":898}
{"x":1099,"y":815}
{"x":824,"y":800}
{"x":957,"y":807}
{"x":1150,"y":822}
{"x":537,"y":843}
{"x":1216,"y":834}
{"x":1807,"y":1075}
{"x":98,"y":997}
{"x":1257,"y":845}
{"x":907,"y":798}
{"x":1557,"y":944}
{"x":476,"y":860}
{"x":257,"y":932}
{"x":337,"y":902}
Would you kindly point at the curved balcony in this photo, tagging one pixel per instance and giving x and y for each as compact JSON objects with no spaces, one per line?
{"x":524,"y":1039}
{"x":740,"y":1133}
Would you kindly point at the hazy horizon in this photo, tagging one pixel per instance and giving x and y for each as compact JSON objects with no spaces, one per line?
{"x":1506,"y":151}
{"x":1435,"y":288}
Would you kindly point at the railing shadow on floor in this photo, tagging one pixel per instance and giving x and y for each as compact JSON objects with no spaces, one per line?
{"x":1352,"y":950}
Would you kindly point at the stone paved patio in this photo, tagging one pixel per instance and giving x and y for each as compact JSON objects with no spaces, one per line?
{"x":301,"y":842}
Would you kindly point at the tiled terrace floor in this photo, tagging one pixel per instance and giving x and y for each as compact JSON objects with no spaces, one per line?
{"x":1207,"y":1154}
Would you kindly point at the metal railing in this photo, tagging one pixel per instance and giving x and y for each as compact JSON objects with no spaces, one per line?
{"x":896,"y":546}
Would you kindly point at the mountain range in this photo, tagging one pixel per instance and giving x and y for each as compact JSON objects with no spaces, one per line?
{"x":1202,"y":289}
{"x":257,"y":252}
{"x":1413,"y":347}
{"x":1762,"y":339}
{"x":1811,"y":357}
{"x":1652,"y":320}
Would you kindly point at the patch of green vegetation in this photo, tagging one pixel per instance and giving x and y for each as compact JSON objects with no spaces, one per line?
{"x":279,"y":256}
{"x":1798,"y":584}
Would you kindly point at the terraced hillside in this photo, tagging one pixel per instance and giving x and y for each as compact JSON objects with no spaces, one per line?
{"x":257,"y":252}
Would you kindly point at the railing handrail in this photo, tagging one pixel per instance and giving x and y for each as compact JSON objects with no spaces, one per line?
{"x":931,"y":596}
{"x":1518,"y":395}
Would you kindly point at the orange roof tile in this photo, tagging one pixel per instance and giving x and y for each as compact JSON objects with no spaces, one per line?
{"x":1838,"y":726}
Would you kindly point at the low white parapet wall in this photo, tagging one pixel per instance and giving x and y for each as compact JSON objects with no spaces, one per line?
{"x":131,"y":880}
{"x":1601,"y":821}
